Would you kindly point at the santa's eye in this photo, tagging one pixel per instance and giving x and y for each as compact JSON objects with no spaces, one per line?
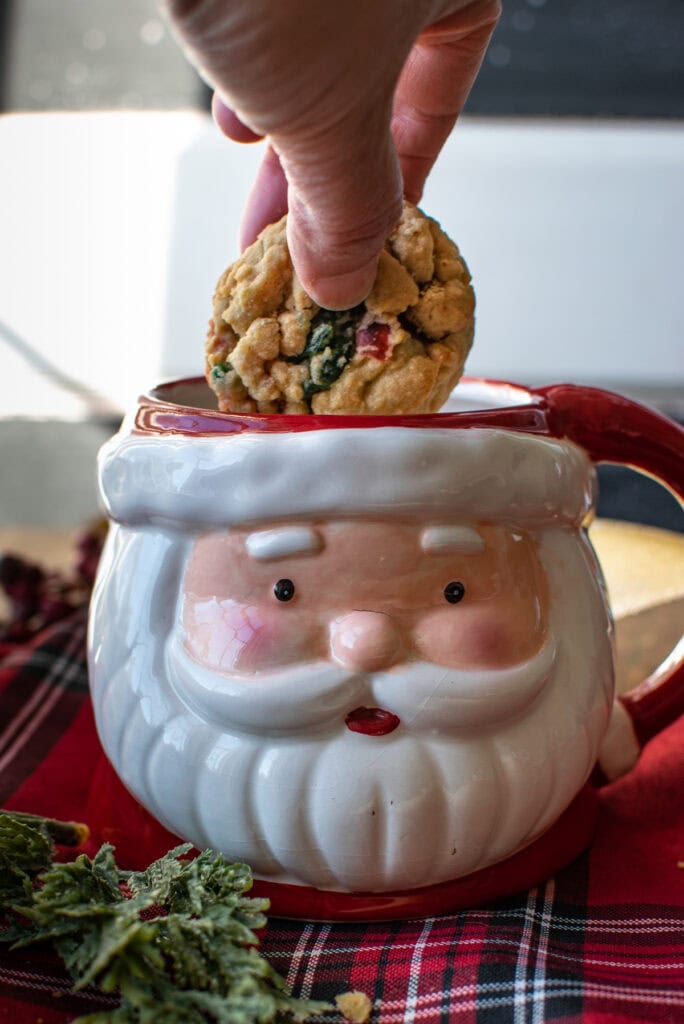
{"x":284,"y":590}
{"x":454,"y":592}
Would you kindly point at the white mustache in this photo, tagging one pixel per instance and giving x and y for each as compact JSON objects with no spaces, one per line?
{"x":425,"y":696}
{"x":272,"y":702}
{"x":430,"y":697}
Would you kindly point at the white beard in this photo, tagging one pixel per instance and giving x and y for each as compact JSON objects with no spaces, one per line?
{"x":264,"y":768}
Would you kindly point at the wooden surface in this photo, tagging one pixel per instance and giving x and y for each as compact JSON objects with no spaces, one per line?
{"x":53,"y":549}
{"x":643,"y":567}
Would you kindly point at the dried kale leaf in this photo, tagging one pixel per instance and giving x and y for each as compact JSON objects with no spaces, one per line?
{"x":330,"y":345}
{"x":219,"y":371}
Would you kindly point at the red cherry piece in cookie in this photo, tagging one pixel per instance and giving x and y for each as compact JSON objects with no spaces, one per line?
{"x":372,"y":721}
{"x":373,"y":340}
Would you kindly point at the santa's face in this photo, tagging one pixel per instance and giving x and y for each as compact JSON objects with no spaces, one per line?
{"x":356,"y":705}
{"x":359,"y":703}
{"x":365,"y":595}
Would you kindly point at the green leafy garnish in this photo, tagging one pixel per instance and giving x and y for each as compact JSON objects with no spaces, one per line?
{"x":25,"y":851}
{"x":66,"y":833}
{"x":176,"y":942}
{"x":330,"y":345}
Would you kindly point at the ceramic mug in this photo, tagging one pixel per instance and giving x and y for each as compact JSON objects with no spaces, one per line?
{"x":371,"y":656}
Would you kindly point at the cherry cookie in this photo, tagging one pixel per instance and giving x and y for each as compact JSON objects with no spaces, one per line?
{"x":271,"y":349}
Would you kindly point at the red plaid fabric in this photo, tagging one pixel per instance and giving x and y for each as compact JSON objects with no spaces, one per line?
{"x":602,"y":943}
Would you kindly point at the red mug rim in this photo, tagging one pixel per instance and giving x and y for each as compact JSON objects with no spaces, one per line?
{"x":520,"y":408}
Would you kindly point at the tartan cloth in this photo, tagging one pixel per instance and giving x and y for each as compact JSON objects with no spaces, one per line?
{"x":602,"y":943}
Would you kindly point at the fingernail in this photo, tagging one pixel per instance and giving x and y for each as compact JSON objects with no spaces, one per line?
{"x":342,"y":291}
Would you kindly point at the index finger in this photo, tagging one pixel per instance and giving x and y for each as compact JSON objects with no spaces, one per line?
{"x":434,"y":85}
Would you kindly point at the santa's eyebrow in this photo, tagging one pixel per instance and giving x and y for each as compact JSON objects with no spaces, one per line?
{"x":283,"y":541}
{"x":464,"y":539}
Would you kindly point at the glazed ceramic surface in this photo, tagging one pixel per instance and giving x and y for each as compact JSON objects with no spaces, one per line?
{"x":358,"y":655}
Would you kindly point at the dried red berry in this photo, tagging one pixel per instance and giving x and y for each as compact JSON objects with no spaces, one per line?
{"x":373,"y":340}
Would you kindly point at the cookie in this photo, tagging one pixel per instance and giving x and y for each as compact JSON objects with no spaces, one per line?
{"x":271,"y":349}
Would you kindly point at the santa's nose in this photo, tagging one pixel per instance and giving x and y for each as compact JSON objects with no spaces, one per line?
{"x":365,"y":641}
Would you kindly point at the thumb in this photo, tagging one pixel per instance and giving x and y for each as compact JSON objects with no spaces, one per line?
{"x":344,"y":199}
{"x":309,"y":76}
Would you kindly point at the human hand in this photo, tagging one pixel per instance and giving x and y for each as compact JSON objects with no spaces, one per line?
{"x":352,"y":97}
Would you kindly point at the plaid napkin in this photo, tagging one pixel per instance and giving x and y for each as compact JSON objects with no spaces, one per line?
{"x":602,"y":943}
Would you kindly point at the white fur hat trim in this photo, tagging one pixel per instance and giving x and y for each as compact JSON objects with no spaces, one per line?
{"x":472,"y":474}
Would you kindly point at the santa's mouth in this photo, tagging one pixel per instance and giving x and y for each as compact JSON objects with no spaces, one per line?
{"x":372,"y":721}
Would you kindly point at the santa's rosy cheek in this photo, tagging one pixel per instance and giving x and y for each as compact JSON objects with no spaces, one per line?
{"x":477,"y":637}
{"x":232,"y":637}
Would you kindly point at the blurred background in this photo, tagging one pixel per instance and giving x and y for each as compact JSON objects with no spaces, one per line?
{"x":576,"y":58}
{"x":120,"y":204}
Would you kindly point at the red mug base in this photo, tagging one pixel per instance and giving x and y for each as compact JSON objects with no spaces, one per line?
{"x":116,"y":817}
{"x":556,"y":848}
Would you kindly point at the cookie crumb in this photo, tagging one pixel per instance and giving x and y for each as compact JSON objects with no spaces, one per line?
{"x":354,"y":1006}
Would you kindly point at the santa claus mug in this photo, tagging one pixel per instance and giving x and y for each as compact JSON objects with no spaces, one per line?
{"x":371,"y":657}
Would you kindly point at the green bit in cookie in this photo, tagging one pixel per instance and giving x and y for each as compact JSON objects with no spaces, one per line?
{"x":329,"y":347}
{"x":219,"y":371}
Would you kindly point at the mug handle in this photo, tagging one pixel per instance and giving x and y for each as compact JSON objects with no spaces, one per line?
{"x":612,"y":428}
